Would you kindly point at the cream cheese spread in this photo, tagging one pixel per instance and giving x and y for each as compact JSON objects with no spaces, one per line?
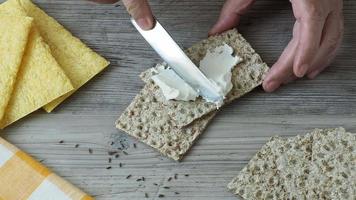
{"x":172,"y":86}
{"x":216,"y":65}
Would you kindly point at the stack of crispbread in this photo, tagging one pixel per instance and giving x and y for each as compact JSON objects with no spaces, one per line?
{"x":172,"y":126}
{"x":41,"y":63}
{"x":318,"y":165}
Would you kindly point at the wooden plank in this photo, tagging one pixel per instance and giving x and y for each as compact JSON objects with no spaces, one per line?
{"x":240,"y":129}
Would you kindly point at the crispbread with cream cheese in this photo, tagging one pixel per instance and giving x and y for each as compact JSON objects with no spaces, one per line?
{"x":14,"y":33}
{"x":150,"y":117}
{"x":245,"y":76}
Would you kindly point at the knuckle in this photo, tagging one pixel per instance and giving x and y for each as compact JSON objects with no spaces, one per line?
{"x":131,"y":6}
{"x":332,"y":44}
{"x":314,"y":12}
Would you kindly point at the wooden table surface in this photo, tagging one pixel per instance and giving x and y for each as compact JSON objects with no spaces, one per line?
{"x":240,"y":129}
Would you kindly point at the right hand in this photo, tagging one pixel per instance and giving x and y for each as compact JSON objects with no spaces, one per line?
{"x":317,"y":35}
{"x":139,"y":10}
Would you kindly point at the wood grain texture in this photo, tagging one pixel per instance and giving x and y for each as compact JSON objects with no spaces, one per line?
{"x":240,"y":129}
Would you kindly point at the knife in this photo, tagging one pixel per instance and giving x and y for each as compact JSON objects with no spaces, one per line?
{"x":174,"y":56}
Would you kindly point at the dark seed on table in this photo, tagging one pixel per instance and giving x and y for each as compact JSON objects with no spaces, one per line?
{"x":134,"y":145}
{"x":139,"y":179}
{"x":160,"y":196}
{"x":169,"y":179}
{"x":117,"y":155}
{"x":125,"y":152}
{"x":90,"y":151}
{"x":175,"y":176}
{"x":129,"y":176}
{"x":108,"y":168}
{"x":120,"y":164}
{"x":186,"y":175}
{"x":143,"y":178}
{"x":111,"y":153}
{"x":76,"y":146}
{"x":155,"y":184}
{"x":176,"y":192}
{"x":146,"y":195}
{"x":112,"y":143}
{"x":165,"y":187}
{"x":109,"y":160}
{"x":61,"y":142}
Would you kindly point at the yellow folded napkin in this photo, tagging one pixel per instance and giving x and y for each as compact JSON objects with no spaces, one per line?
{"x":22,"y":177}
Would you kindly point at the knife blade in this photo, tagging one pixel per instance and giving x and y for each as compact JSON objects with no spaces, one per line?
{"x":174,"y":56}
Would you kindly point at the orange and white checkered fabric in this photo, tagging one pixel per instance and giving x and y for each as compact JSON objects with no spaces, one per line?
{"x":22,"y":177}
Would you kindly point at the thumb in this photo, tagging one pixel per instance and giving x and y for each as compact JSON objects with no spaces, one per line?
{"x":230,"y":15}
{"x":141,"y":12}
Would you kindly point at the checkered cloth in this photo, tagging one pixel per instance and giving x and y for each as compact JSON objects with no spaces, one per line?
{"x":21,"y":177}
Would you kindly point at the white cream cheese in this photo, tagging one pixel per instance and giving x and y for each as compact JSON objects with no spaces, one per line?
{"x":172,"y":86}
{"x":216,"y":65}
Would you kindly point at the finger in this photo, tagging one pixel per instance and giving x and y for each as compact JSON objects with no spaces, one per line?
{"x":141,"y":12}
{"x":311,"y":25}
{"x":230,"y":15}
{"x":322,"y":65}
{"x":330,"y":42}
{"x":282,"y":71}
{"x":105,"y":1}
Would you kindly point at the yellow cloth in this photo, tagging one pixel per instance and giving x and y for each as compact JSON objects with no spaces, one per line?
{"x":22,"y":177}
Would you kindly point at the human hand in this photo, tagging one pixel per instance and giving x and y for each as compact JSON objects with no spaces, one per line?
{"x":317,"y":34}
{"x":138,"y":9}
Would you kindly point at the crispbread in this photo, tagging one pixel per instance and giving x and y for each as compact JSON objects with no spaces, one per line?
{"x":245,"y":76}
{"x":14,"y":31}
{"x":78,"y":61}
{"x":319,"y":165}
{"x":150,"y":115}
{"x":40,"y":81}
{"x":333,"y":167}
{"x":260,"y":179}
{"x":277,"y":171}
{"x":146,"y":120}
{"x":293,"y":165}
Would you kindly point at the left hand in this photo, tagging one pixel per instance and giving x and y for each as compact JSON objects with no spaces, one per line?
{"x":317,"y":34}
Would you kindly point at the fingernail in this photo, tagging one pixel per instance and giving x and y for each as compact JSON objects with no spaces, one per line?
{"x":302,"y":71}
{"x":212,"y":31}
{"x":271,"y":86}
{"x":145,"y":23}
